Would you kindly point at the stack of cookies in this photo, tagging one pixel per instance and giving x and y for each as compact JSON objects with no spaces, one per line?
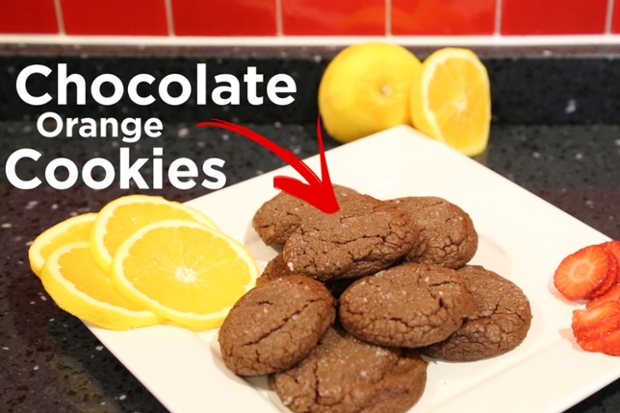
{"x":343,"y":315}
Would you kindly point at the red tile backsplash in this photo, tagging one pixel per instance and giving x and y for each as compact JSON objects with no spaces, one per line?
{"x":522,"y":17}
{"x":115,"y":17}
{"x":615,"y":16}
{"x":28,"y":16}
{"x":283,"y":18}
{"x":329,"y":17}
{"x":224,"y":17}
{"x":448,"y":17}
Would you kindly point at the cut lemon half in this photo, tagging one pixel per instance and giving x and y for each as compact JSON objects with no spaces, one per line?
{"x":125,"y":215}
{"x":77,"y":284}
{"x":70,"y":230}
{"x":184,"y":271}
{"x":451,"y":100}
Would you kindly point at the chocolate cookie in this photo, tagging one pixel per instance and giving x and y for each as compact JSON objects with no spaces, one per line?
{"x":346,"y":375}
{"x":499,"y":324}
{"x":277,"y":268}
{"x":279,"y":217}
{"x":365,"y":236}
{"x":409,"y":305}
{"x":276,"y":325}
{"x":447,"y":234}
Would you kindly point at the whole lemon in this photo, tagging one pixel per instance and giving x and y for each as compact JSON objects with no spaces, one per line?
{"x":366,"y":89}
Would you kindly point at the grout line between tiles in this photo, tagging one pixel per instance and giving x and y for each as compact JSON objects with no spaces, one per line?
{"x":498,"y":17}
{"x":609,"y":16}
{"x":279,"y":22}
{"x":388,"y":17}
{"x":59,"y":18}
{"x":169,"y":17}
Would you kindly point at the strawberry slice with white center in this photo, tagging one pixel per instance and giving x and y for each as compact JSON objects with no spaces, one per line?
{"x":580,"y":274}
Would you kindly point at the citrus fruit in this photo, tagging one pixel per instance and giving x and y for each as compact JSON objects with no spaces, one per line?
{"x":77,"y":284}
{"x":366,"y":89}
{"x":451,"y":100}
{"x":70,"y":230}
{"x":125,"y":215}
{"x":184,"y":272}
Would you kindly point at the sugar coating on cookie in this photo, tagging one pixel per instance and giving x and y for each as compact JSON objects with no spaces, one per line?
{"x":279,"y":217}
{"x":500,"y":322}
{"x":365,"y":236}
{"x":277,"y":268}
{"x":447,"y":233}
{"x":409,"y":305}
{"x":346,"y":375}
{"x":276,"y":325}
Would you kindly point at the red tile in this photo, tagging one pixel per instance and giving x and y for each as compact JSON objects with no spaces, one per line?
{"x":447,"y":17}
{"x":615,"y":16}
{"x":329,"y":17}
{"x":28,"y":16}
{"x":224,"y":17}
{"x":553,"y":17}
{"x":115,"y":17}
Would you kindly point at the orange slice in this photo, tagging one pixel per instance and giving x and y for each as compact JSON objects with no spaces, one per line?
{"x":70,"y":230}
{"x":77,"y":284}
{"x":122,"y":217}
{"x":183,"y":271}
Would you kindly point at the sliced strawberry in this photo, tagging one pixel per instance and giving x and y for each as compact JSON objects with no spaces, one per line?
{"x":591,"y":326}
{"x":579,"y":274}
{"x":612,"y":295}
{"x":593,"y":345}
{"x":610,"y":344}
{"x":596,"y":321}
{"x":610,"y":280}
{"x":613,"y":247}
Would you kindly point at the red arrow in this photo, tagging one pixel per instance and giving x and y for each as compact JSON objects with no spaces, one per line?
{"x":319,"y":194}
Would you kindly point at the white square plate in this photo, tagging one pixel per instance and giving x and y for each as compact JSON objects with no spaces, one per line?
{"x":522,"y":238}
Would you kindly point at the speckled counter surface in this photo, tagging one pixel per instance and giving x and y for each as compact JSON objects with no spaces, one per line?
{"x":50,"y":362}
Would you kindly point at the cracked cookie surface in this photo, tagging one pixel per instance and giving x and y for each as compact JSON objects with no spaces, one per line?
{"x":499,"y":324}
{"x":277,"y":268}
{"x":447,"y":233}
{"x":279,"y":217}
{"x":409,"y":305}
{"x":346,"y":375}
{"x":276,"y":325}
{"x":365,"y":236}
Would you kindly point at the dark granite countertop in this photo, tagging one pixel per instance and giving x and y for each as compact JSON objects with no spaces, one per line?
{"x":556,"y":132}
{"x":50,"y":362}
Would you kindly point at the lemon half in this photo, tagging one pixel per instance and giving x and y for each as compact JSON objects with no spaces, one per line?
{"x":451,"y":100}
